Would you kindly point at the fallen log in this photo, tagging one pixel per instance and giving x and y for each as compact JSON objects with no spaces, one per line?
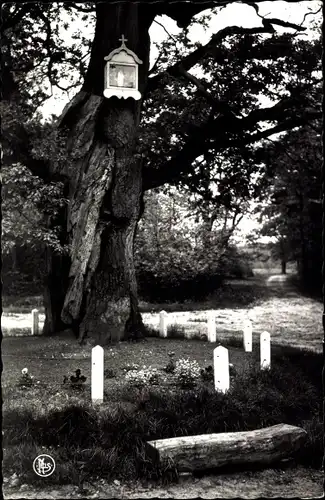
{"x":209,"y":451}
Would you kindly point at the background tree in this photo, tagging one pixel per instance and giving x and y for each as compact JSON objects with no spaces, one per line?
{"x":28,"y":204}
{"x":294,"y":212}
{"x":110,"y":160}
{"x":183,"y":247}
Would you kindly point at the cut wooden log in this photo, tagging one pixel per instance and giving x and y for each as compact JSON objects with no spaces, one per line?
{"x":209,"y":451}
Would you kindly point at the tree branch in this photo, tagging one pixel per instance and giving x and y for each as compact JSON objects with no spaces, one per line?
{"x":183,"y":12}
{"x":218,"y":105}
{"x":194,"y":57}
{"x":48,"y":31}
{"x":69,"y":87}
{"x":199,"y":142}
{"x":287,"y":124}
{"x":256,"y":8}
{"x":79,"y":7}
{"x":166,"y":31}
{"x":154,"y":67}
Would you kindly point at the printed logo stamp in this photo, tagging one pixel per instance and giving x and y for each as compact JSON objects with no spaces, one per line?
{"x":44,"y":465}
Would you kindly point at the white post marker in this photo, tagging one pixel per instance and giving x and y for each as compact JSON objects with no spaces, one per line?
{"x":212,"y":334}
{"x":248,"y":335}
{"x":163,"y":323}
{"x":97,"y":374}
{"x":265,"y":350}
{"x":221,"y":369}
{"x":35,"y":322}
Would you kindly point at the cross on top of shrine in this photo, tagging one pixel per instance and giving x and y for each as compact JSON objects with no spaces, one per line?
{"x":123,"y":39}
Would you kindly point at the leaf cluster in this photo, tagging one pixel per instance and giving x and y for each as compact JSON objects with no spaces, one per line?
{"x":28,"y":206}
{"x":37,"y":54}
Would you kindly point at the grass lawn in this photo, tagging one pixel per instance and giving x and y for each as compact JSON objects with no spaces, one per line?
{"x":48,"y":418}
{"x":108,"y":442}
{"x":48,"y":359}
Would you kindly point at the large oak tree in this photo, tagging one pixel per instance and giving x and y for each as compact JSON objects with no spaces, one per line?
{"x":109,"y":161}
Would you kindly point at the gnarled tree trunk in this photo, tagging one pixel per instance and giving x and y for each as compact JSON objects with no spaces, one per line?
{"x":105,"y":188}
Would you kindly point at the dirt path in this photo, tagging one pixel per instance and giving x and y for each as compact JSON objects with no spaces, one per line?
{"x":269,"y":483}
{"x":277,"y":278}
{"x":280,"y":282}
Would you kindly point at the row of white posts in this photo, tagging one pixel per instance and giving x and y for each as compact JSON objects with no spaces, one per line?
{"x":163,"y":325}
{"x":220,"y":361}
{"x":211,"y":330}
{"x":220,"y":354}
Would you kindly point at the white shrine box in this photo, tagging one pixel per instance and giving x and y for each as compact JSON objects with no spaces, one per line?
{"x":121,"y":73}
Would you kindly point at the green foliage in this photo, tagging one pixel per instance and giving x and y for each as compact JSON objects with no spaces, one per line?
{"x":236,"y":263}
{"x":23,"y":274}
{"x":33,"y":205}
{"x":237,"y":72}
{"x":171,"y":365}
{"x":142,"y":378}
{"x":186,"y":372}
{"x":219,"y":172}
{"x":110,"y":373}
{"x":175,"y":332}
{"x":36,"y":58}
{"x":37,"y":54}
{"x":26,"y":201}
{"x":183,"y":250}
{"x":26,"y":380}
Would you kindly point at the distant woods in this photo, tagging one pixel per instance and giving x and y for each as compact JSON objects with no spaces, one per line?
{"x":291,"y":211}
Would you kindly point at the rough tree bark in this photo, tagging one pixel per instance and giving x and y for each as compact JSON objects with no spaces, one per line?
{"x":96,"y":291}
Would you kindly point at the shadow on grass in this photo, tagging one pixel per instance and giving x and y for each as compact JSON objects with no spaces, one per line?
{"x":309,"y":292}
{"x":240,"y":294}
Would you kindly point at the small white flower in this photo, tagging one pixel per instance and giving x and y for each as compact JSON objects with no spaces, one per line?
{"x":24,"y":371}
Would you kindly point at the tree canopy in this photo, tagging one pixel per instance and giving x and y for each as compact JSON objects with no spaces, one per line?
{"x":198,"y":126}
{"x":199,"y":133}
{"x":187,"y":120}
